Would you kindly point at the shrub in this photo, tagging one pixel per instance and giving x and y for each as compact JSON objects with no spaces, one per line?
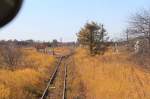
{"x":11,"y":55}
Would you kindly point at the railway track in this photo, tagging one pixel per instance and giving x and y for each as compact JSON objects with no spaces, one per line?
{"x":65,"y":83}
{"x":56,"y":86}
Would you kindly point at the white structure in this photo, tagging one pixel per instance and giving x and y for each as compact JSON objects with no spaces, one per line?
{"x":116,"y":48}
{"x":137,"y":47}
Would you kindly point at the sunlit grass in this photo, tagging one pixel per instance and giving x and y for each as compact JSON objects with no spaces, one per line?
{"x":61,"y":50}
{"x":112,"y":76}
{"x":26,"y":82}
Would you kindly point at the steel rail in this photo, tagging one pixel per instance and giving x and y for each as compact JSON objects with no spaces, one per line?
{"x":65,"y":83}
{"x":45,"y":93}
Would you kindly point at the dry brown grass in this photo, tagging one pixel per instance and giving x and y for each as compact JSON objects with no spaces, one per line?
{"x":62,"y":50}
{"x":75,"y":86}
{"x":26,"y":82}
{"x":112,"y":76}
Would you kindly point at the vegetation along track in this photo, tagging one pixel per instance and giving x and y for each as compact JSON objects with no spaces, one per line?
{"x":56,"y":87}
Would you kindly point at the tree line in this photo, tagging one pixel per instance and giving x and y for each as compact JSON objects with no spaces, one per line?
{"x":94,"y":36}
{"x":139,"y":28}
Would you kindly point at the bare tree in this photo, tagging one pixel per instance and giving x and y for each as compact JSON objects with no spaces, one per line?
{"x":11,"y":55}
{"x":54,"y":43}
{"x":140,"y":24}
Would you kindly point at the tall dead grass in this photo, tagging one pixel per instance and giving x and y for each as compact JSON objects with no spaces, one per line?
{"x":27,"y":81}
{"x":75,"y":86}
{"x":112,"y":76}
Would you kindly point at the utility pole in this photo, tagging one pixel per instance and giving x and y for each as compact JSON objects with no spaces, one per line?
{"x":127,"y":35}
{"x":127,"y":38}
{"x":53,"y":50}
{"x":102,"y":33}
{"x":61,"y":40}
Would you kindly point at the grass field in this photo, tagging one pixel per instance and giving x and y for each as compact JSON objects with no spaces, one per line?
{"x":108,"y":76}
{"x":112,"y":76}
{"x":27,"y":81}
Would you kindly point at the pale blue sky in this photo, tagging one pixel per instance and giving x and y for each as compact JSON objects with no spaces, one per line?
{"x":55,"y":19}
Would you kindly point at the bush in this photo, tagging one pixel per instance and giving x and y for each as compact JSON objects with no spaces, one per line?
{"x":4,"y":92}
{"x":27,"y":82}
{"x":11,"y":55}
